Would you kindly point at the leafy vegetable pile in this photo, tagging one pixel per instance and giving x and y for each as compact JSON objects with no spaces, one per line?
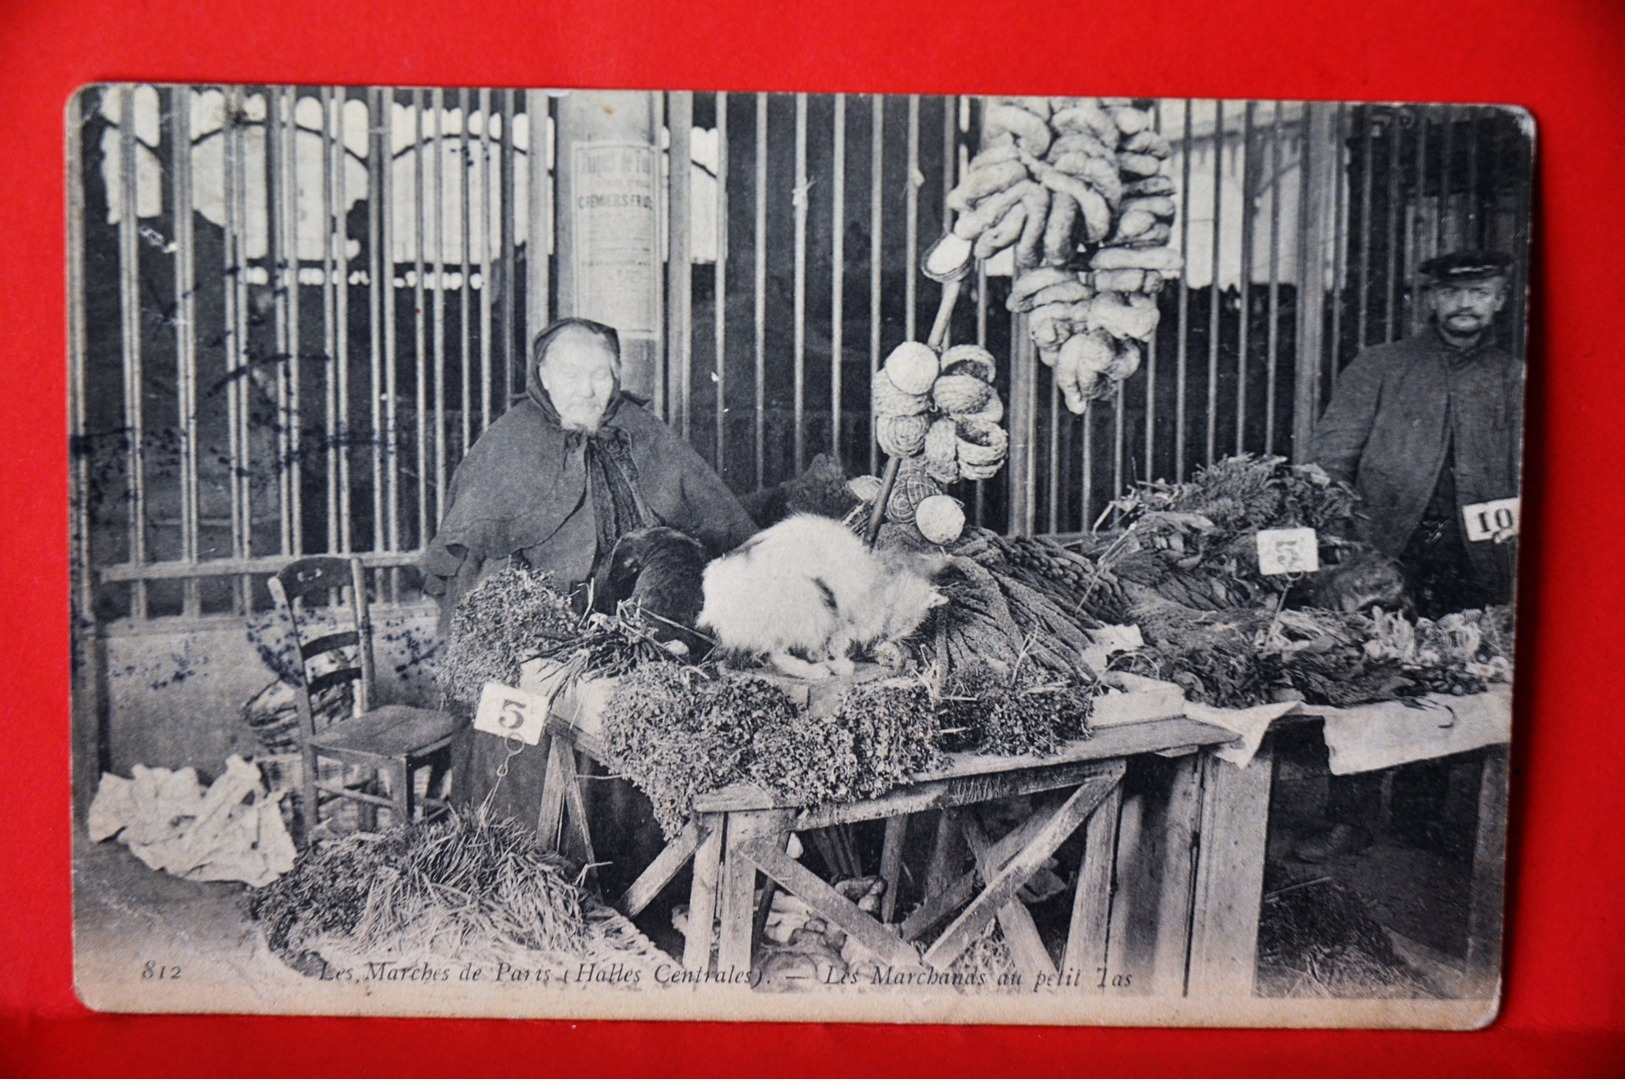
{"x":510,"y":618}
{"x":678,"y":732}
{"x":1242,"y":657}
{"x":514,"y":616}
{"x":1194,"y":543}
{"x":981,"y":710}
{"x":463,"y":887}
{"x":1457,"y":654}
{"x":1184,"y":567}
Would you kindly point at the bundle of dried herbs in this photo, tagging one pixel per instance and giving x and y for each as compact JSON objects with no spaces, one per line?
{"x":806,"y":761}
{"x":894,"y":731}
{"x":511,"y":617}
{"x":980,"y":710}
{"x":678,"y":732}
{"x":1320,"y":940}
{"x":880,"y":734}
{"x":611,"y":645}
{"x":464,"y":887}
{"x":324,"y":894}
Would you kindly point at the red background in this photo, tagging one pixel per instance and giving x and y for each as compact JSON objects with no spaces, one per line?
{"x":1565,"y":974}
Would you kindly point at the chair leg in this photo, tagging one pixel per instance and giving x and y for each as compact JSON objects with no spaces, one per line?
{"x":441,"y":775}
{"x":405,"y":793}
{"x":309,"y":791}
{"x":366,"y":811}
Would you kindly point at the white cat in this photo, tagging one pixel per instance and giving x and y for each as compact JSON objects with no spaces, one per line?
{"x":806,"y":591}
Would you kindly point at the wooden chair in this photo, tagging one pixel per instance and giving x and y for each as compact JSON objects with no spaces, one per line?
{"x":392,"y":742}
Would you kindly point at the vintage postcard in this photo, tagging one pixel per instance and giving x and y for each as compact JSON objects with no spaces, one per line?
{"x":548,"y":553}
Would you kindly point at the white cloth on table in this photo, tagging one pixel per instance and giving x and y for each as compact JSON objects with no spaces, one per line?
{"x":1249,"y":724}
{"x":1378,"y":735}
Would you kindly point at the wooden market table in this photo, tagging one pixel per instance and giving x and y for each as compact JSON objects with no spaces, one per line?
{"x":1230,"y":884}
{"x":1169,"y":887}
{"x":1149,"y":902}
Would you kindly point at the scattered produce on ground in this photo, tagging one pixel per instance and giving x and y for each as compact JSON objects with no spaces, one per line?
{"x":1319,"y":939}
{"x":464,"y":888}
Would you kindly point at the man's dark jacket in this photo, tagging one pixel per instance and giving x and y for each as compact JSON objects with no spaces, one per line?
{"x":1387,"y":429}
{"x":523,"y":488}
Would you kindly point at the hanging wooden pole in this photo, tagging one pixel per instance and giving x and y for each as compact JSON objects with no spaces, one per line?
{"x":888,"y":480}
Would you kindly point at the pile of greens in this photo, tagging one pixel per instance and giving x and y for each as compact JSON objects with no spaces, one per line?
{"x":678,"y":732}
{"x":1458,"y":654}
{"x":514,"y":616}
{"x":511,"y":617}
{"x":464,"y":888}
{"x":1243,"y":657}
{"x":981,"y":710}
{"x":1194,"y":543}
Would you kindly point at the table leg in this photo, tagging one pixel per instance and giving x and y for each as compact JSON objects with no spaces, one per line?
{"x":550,"y":819}
{"x":660,"y":871}
{"x":1179,"y":842}
{"x":702,"y":894}
{"x":736,"y":894}
{"x":1149,"y":935}
{"x":1087,"y":935}
{"x":575,"y":804}
{"x":1484,"y":918}
{"x":946,"y":857}
{"x":405,"y":792}
{"x":764,"y":906}
{"x":891,"y":864}
{"x":1020,"y":931}
{"x":1230,"y":876}
{"x":1057,"y":828}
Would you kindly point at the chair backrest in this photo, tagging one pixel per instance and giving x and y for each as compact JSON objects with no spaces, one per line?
{"x":329,"y":658}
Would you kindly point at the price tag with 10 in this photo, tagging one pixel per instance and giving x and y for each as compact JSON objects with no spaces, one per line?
{"x":1491,"y":519}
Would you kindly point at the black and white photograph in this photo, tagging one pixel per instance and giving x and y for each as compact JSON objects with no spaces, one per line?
{"x":733,"y":555}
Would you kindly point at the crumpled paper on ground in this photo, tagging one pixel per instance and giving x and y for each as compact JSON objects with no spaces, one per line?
{"x":173,"y":824}
{"x":1378,"y":735}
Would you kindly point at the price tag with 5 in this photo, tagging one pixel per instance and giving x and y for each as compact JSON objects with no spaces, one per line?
{"x":1493,"y":520}
{"x":511,"y":712}
{"x":1287,"y":552}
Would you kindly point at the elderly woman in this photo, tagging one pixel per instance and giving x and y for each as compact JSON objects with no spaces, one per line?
{"x":569,"y":470}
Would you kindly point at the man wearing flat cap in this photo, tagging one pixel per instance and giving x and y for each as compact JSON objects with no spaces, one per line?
{"x":1431,"y":424}
{"x":1424,"y":428}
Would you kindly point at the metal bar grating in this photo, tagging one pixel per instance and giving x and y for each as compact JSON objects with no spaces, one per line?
{"x":414,"y":227}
